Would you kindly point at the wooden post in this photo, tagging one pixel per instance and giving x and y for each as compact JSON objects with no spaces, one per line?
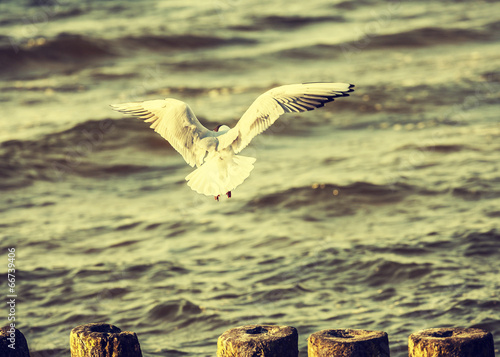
{"x":348,"y":343}
{"x":451,"y":342}
{"x":103,"y":340}
{"x":11,"y":336}
{"x":259,"y":340}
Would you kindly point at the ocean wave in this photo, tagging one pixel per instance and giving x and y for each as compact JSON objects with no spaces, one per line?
{"x":440,"y":148}
{"x":278,"y":22}
{"x":69,"y":51}
{"x":170,"y":310}
{"x":337,"y":200}
{"x":208,"y":64}
{"x":426,"y":36}
{"x":385,"y":272}
{"x":421,"y":37}
{"x":71,"y":152}
{"x":275,"y":294}
{"x":63,"y":48}
{"x":40,"y":273}
{"x":481,"y":243}
{"x":350,"y":5}
{"x":313,"y":52}
{"x":182,"y":41}
{"x":478,"y":189}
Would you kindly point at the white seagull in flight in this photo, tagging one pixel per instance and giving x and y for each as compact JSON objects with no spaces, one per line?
{"x":220,"y":170}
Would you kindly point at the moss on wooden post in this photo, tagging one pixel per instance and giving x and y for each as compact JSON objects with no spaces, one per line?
{"x":259,"y":340}
{"x":451,"y":342}
{"x":348,"y":343}
{"x":103,"y":340}
{"x":10,"y":336}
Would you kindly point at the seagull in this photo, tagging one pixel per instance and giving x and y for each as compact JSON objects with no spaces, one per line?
{"x":214,"y":152}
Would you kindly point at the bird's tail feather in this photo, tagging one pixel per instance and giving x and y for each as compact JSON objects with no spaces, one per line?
{"x":218,"y":176}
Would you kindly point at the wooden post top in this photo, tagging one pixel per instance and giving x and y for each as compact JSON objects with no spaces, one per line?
{"x":348,"y":343}
{"x":349,"y":335}
{"x":451,"y":342}
{"x":103,"y":340}
{"x":459,"y":333}
{"x":268,"y":340}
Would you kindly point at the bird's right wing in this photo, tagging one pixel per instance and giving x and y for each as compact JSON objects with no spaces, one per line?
{"x":268,"y":107}
{"x":175,"y":122}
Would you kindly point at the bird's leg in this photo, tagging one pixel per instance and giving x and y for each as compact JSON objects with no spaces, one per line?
{"x":228,"y":194}
{"x":217,"y":198}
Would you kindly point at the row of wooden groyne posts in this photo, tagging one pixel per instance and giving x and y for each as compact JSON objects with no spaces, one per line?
{"x":105,"y":340}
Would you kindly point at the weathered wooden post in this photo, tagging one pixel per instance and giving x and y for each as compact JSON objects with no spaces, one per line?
{"x":103,"y":340}
{"x":348,"y":343}
{"x":13,"y":343}
{"x":259,"y":340}
{"x":451,"y":342}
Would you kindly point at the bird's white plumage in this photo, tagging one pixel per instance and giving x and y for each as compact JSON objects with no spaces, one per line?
{"x":218,"y":176}
{"x":268,"y":107}
{"x":220,"y":170}
{"x":175,"y":122}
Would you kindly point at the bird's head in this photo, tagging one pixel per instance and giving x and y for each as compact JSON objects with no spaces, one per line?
{"x":221,"y":128}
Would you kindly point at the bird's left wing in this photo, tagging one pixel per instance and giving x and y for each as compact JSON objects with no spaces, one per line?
{"x":175,"y":122}
{"x":268,"y":107}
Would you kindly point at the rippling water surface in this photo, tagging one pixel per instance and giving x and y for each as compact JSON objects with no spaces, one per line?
{"x":380,"y":211}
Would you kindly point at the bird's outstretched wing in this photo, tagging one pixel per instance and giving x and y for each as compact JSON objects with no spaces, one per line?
{"x":268,"y":107}
{"x":175,"y":122}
